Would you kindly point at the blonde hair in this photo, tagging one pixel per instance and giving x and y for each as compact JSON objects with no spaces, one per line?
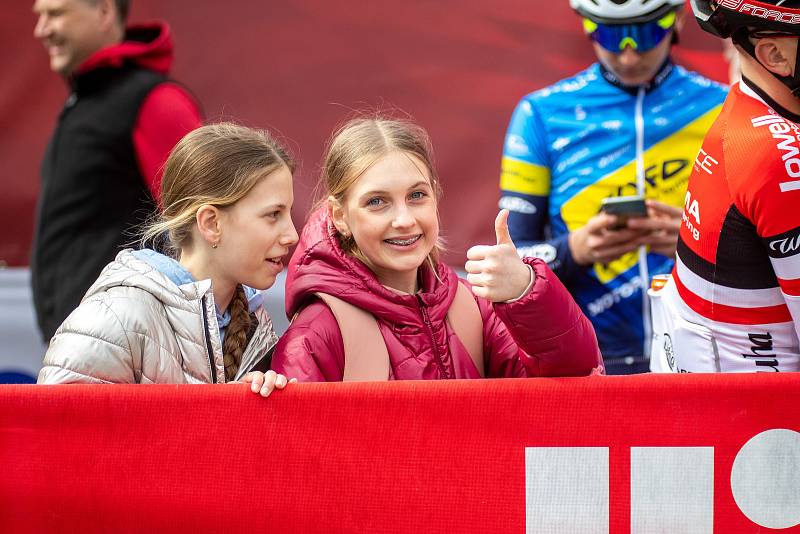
{"x":358,"y":145}
{"x":214,"y":165}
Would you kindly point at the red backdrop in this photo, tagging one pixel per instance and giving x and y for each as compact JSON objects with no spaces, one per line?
{"x":300,"y":67}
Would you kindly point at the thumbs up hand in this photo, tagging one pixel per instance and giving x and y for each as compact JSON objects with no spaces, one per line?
{"x":496,"y":272}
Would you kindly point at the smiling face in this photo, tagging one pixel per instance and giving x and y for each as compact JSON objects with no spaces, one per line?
{"x":72,"y":30}
{"x":390,"y":211}
{"x":256,"y":233}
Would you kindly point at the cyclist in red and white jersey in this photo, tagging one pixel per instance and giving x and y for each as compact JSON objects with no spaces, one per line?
{"x":733,"y":303}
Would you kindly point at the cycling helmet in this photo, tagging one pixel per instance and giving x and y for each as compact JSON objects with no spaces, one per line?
{"x":624,"y":11}
{"x":740,"y":19}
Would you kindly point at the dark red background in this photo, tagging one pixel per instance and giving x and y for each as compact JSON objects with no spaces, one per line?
{"x":301,"y":67}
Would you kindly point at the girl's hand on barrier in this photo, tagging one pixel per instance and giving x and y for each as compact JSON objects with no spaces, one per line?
{"x":496,"y":272}
{"x":265,"y":383}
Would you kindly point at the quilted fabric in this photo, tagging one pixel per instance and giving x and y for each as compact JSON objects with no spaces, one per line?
{"x":136,"y":326}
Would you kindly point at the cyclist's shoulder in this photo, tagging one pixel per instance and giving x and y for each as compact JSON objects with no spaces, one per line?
{"x":695,"y":82}
{"x":756,"y":146}
{"x":587,"y":81}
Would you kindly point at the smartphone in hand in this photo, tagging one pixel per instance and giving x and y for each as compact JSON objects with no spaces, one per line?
{"x":624,"y":208}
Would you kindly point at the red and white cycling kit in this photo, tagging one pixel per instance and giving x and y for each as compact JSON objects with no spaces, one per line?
{"x":733,"y":301}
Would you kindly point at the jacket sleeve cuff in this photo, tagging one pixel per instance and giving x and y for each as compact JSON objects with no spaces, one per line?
{"x":527,"y":289}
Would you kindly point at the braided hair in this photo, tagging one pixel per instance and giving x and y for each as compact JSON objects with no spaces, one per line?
{"x":236,"y":333}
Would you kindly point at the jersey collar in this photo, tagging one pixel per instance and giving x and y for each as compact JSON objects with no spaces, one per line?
{"x":662,"y":74}
{"x":754,"y":91}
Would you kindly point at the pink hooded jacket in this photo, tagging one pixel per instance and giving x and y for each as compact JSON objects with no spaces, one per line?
{"x":542,"y":334}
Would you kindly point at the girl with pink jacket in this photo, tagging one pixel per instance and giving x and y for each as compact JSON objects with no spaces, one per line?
{"x":373,"y":246}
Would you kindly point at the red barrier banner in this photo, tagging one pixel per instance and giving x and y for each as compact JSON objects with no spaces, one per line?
{"x":640,"y":454}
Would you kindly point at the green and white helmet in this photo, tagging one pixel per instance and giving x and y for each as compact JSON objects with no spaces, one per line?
{"x":624,"y":11}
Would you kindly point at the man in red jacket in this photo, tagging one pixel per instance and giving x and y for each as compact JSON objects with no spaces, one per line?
{"x":101,"y":171}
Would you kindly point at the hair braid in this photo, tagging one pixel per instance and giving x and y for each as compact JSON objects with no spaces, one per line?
{"x":236,"y":333}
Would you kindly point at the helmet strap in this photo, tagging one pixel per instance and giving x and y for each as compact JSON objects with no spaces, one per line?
{"x":741,"y":37}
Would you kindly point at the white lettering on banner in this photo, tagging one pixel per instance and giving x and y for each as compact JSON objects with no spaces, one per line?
{"x":671,"y":488}
{"x":566,"y":490}
{"x":706,"y":162}
{"x":765,"y":479}
{"x":623,"y":291}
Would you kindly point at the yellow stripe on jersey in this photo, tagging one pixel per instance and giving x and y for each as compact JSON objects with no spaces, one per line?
{"x":670,"y":161}
{"x":525,"y":178}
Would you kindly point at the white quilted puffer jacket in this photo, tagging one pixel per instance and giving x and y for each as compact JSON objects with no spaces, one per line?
{"x":134,"y":325}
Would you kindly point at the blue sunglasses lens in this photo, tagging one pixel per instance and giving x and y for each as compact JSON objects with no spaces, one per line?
{"x":640,"y":37}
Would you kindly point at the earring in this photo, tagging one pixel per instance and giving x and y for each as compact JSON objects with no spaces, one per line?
{"x":214,"y":245}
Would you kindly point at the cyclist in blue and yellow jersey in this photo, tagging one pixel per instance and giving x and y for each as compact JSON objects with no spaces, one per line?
{"x":631,"y":124}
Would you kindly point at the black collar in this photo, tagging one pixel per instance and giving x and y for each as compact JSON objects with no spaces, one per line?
{"x":662,"y":74}
{"x":782,"y":111}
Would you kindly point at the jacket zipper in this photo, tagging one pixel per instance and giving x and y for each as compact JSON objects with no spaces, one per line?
{"x":427,"y":320}
{"x":208,"y":344}
{"x":641,"y":189}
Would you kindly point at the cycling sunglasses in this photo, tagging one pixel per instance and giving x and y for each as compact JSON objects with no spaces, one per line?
{"x":640,"y":37}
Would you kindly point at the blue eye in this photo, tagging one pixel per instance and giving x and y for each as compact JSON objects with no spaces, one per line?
{"x":417,"y":195}
{"x":375,"y":201}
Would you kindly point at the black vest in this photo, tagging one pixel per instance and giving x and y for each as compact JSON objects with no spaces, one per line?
{"x":93,"y":198}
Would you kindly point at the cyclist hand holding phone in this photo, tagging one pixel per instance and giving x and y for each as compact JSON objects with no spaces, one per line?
{"x":623,"y":224}
{"x":662,"y":226}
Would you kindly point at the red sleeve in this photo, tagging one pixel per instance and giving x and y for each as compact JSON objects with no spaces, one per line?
{"x":167,"y":114}
{"x":547,"y":324}
{"x":312,"y":349}
{"x":772,"y":208}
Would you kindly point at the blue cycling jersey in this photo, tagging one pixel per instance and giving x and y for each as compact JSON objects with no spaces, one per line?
{"x":586,"y":138}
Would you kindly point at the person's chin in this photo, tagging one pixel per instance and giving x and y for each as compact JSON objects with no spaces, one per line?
{"x":61,"y":66}
{"x":263,"y":282}
{"x":408,"y":262}
{"x":57,"y":65}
